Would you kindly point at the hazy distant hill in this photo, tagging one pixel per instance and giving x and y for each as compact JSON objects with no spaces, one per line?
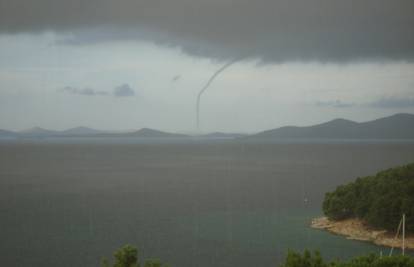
{"x":81,"y":130}
{"x":220,"y":135}
{"x":399,"y":126}
{"x":38,"y":132}
{"x":145,"y":133}
{"x":7,"y":134}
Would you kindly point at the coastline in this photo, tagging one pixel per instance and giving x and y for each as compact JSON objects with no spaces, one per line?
{"x":355,"y":229}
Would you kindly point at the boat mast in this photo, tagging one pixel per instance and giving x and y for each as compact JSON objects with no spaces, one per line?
{"x":396,"y":235}
{"x":403,"y":234}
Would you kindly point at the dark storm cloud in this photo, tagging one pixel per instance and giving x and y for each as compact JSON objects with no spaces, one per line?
{"x":334,"y":104}
{"x":324,"y":30}
{"x":393,"y":102}
{"x":84,"y":91}
{"x":124,"y":91}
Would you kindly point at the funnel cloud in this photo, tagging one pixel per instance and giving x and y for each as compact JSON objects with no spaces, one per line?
{"x":207,"y":85}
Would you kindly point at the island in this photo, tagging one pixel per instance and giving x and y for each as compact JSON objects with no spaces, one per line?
{"x":371,"y":208}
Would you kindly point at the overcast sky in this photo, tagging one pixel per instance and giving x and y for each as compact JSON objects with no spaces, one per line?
{"x":129,"y":64}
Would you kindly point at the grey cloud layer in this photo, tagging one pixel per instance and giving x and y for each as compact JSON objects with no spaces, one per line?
{"x":120,"y":91}
{"x":123,"y":91}
{"x":84,"y":91}
{"x":394,"y":102}
{"x":383,"y":102}
{"x":325,"y":30}
{"x":334,"y":104}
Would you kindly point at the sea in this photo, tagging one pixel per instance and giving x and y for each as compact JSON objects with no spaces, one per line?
{"x":222,"y":203}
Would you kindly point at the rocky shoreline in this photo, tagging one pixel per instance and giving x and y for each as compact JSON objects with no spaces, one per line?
{"x":356,"y":229}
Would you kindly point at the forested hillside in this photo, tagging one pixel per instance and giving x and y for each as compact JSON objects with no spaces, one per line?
{"x":380,"y":200}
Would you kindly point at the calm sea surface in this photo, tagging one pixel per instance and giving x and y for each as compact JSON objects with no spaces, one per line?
{"x":195,"y":204}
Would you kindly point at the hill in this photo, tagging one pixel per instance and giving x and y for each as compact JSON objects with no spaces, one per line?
{"x":7,"y":134}
{"x":81,"y":130}
{"x":399,"y":126}
{"x":220,"y":135}
{"x":379,"y":200}
{"x":145,"y":133}
{"x":151,"y":133}
{"x":38,"y":132}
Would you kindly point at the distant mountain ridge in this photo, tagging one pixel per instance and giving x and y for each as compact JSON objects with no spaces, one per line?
{"x":81,"y":130}
{"x":221,"y":135}
{"x":37,"y":131}
{"x":145,"y":133}
{"x":398,"y":126}
{"x":7,"y":134}
{"x":41,"y":132}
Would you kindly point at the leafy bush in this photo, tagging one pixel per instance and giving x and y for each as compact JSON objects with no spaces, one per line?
{"x":294,"y":259}
{"x":127,"y":256}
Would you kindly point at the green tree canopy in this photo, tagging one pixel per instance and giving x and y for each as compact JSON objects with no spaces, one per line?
{"x":380,"y":200}
{"x":127,"y":256}
{"x":295,"y":259}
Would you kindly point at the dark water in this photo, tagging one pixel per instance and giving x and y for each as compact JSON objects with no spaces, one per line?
{"x":210,"y":204}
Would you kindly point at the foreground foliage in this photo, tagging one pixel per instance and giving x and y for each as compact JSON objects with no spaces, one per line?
{"x":127,"y":256}
{"x":380,"y":200}
{"x":295,"y":259}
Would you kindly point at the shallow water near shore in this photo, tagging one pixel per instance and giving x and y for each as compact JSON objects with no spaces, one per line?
{"x":190,"y":204}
